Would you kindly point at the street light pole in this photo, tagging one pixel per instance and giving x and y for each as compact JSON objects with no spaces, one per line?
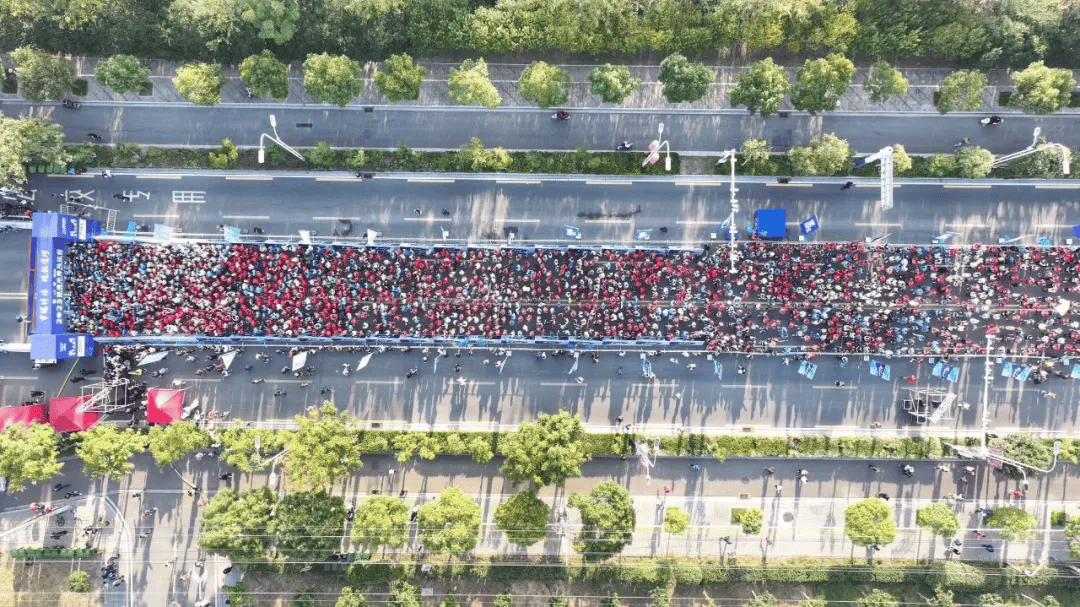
{"x":277,"y":140}
{"x":733,"y":231}
{"x":654,"y":147}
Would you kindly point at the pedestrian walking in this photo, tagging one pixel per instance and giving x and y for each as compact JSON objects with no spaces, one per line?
{"x":839,"y":383}
{"x":695,"y":467}
{"x":848,"y":185}
{"x":768,"y":542}
{"x":779,"y":489}
{"x":770,"y":470}
{"x":619,"y":420}
{"x":884,"y":496}
{"x":874,"y":469}
{"x":989,"y":547}
{"x":417,"y":211}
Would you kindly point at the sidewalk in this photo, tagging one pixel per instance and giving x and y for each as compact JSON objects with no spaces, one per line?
{"x":433,"y":93}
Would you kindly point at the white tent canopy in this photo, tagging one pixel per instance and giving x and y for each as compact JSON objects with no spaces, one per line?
{"x":150,"y":359}
{"x":299,"y":360}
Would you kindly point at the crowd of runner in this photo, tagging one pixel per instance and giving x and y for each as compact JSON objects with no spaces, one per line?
{"x":841,"y":298}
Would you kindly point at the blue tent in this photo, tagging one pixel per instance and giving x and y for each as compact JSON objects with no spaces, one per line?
{"x":770,"y":223}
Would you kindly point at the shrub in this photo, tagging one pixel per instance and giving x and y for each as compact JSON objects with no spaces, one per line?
{"x":78,"y":581}
{"x":1058,"y":518}
{"x":749,"y":518}
{"x":226,"y":155}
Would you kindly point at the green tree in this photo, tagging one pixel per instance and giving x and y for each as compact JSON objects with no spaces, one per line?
{"x":940,"y":519}
{"x":870,"y":522}
{"x":991,"y":599}
{"x":545,"y":84}
{"x":523,"y":518}
{"x":762,"y":88}
{"x":332,"y":79}
{"x":1041,"y":90}
{"x":676,"y":520}
{"x":506,"y":599}
{"x":78,"y":581}
{"x":225,"y":156}
{"x":472,"y":156}
{"x":28,"y":453}
{"x":943,"y":597}
{"x":122,"y":73}
{"x":901,"y":162}
{"x":974,"y":162}
{"x":351,"y":597}
{"x":450,"y":523}
{"x":941,"y":165}
{"x":29,"y":140}
{"x":756,"y":154}
{"x":402,"y":79}
{"x":44,"y":75}
{"x":1026,"y":449}
{"x":322,"y":155}
{"x":308,"y":526}
{"x":106,"y":450}
{"x":480,"y":450}
{"x":470,"y":83}
{"x":199,"y":83}
{"x":265,"y":75}
{"x":608,"y":520}
{"x":67,"y":14}
{"x":613,"y":83}
{"x":749,"y":518}
{"x":1012,"y":523}
{"x":765,"y":599}
{"x":234,"y":525}
{"x":381,"y":521}
{"x":684,"y":80}
{"x":821,"y":82}
{"x":275,"y":19}
{"x":960,"y":91}
{"x":171,"y":442}
{"x":405,"y":595}
{"x":323,"y":449}
{"x":877,"y":598}
{"x":215,"y":22}
{"x":239,"y":446}
{"x":1072,"y":532}
{"x":545,"y":452}
{"x":884,"y":82}
{"x":827,"y":155}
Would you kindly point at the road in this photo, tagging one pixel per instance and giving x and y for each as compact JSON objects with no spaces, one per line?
{"x":769,"y":397}
{"x":802,"y":519}
{"x":605,"y":210}
{"x":691,"y":132}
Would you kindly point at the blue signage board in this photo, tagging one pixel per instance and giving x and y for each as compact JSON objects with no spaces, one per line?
{"x":68,"y":227}
{"x":49,"y":259}
{"x":61,"y":346}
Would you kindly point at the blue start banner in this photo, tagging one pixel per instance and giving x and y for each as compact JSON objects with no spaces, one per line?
{"x":48,"y":267}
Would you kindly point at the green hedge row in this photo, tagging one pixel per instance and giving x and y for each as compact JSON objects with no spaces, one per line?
{"x":579,"y":162}
{"x":131,"y":155}
{"x":722,"y":446}
{"x":647,"y":573}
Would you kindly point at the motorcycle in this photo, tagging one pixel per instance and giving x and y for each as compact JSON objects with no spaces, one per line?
{"x":991,"y":120}
{"x":71,"y":105}
{"x":561,"y":115}
{"x":624,"y":147}
{"x":962,"y":142}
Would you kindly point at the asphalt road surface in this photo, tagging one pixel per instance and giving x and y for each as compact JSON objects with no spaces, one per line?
{"x":605,"y":210}
{"x":441,"y":128}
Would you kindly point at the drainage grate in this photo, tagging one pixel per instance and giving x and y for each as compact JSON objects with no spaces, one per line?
{"x":744,"y":496}
{"x":376,"y":425}
{"x":747,"y":429}
{"x":303,"y":125}
{"x":368,"y":109}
